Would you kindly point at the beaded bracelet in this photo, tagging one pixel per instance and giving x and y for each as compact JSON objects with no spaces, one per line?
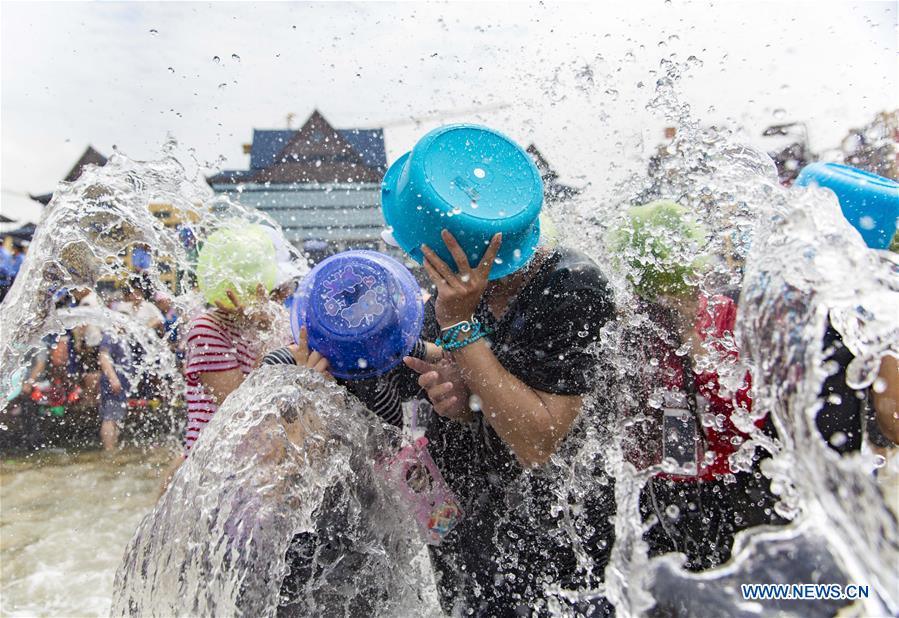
{"x":448,"y":338}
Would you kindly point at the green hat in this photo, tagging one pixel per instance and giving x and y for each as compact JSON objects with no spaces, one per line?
{"x":657,"y":242}
{"x":238,"y":256}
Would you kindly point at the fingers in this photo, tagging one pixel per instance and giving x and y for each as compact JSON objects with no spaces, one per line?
{"x":433,"y":275}
{"x":313,"y":359}
{"x":439,"y":392}
{"x":428,"y":380}
{"x":439,"y":265}
{"x":232,"y":296}
{"x":490,"y":255}
{"x":417,"y":365}
{"x":304,"y":340}
{"x":462,"y":265}
{"x":322,"y":366}
{"x":446,"y":406}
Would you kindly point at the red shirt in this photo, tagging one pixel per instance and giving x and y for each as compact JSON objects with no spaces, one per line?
{"x":715,"y":320}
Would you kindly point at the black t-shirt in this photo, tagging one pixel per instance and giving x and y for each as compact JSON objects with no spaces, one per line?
{"x":845,"y":416}
{"x":510,"y":542}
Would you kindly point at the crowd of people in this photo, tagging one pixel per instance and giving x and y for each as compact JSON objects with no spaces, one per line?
{"x":97,"y":371}
{"x":12,"y":254}
{"x":504,"y":357}
{"x":499,"y":358}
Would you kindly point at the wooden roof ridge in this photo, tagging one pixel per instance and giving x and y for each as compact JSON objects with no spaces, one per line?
{"x":301,"y":145}
{"x":90,"y":157}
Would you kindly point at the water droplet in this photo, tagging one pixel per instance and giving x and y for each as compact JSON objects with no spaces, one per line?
{"x":474,"y":403}
{"x":672,"y":511}
{"x":838,"y":439}
{"x":780,"y":113}
{"x":473,"y":204}
{"x":171,"y":69}
{"x":235,"y":57}
{"x":479,"y":172}
{"x":362,"y":363}
{"x":222,"y":86}
{"x":216,"y":59}
{"x":866,"y":223}
{"x":880,"y":385}
{"x":154,"y":32}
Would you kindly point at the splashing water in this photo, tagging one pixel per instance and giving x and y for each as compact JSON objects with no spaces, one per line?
{"x":288,"y":451}
{"x":84,"y":237}
{"x":286,"y":454}
{"x":795,"y":260}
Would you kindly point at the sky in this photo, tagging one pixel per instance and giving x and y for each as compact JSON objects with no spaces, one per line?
{"x":573,"y":78}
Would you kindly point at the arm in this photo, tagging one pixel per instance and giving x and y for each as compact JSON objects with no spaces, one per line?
{"x":299,"y":354}
{"x":886,"y":402}
{"x":220,"y":384}
{"x":531,"y":422}
{"x":108,"y":370}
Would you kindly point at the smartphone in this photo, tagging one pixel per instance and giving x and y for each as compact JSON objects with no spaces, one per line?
{"x":680,"y":437}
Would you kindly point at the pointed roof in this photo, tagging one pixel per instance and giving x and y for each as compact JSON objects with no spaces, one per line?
{"x":315,"y":153}
{"x":90,"y":157}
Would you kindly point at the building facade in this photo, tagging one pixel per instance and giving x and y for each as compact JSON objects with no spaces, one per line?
{"x":320,"y":184}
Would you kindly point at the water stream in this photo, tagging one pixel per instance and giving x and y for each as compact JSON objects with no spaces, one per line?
{"x":289,"y":450}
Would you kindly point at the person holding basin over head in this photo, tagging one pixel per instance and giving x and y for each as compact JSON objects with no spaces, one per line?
{"x":361,"y":313}
{"x":238,"y":266}
{"x":699,"y":499}
{"x":870,"y":203}
{"x":515,"y":321}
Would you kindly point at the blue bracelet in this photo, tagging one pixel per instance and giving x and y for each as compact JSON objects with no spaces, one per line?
{"x":448,"y":339}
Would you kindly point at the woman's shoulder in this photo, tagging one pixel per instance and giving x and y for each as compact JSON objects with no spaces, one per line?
{"x":209,"y":320}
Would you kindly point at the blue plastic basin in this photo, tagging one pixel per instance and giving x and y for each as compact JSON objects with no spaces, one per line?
{"x":362,"y":311}
{"x":472,"y":181}
{"x":868,"y":201}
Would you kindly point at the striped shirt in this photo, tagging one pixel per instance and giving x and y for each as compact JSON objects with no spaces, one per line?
{"x":214,"y":343}
{"x":383,"y":394}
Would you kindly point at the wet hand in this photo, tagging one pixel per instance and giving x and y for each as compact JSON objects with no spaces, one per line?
{"x":306,"y":358}
{"x":459,"y":293}
{"x":443,"y":383}
{"x":254,"y":314}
